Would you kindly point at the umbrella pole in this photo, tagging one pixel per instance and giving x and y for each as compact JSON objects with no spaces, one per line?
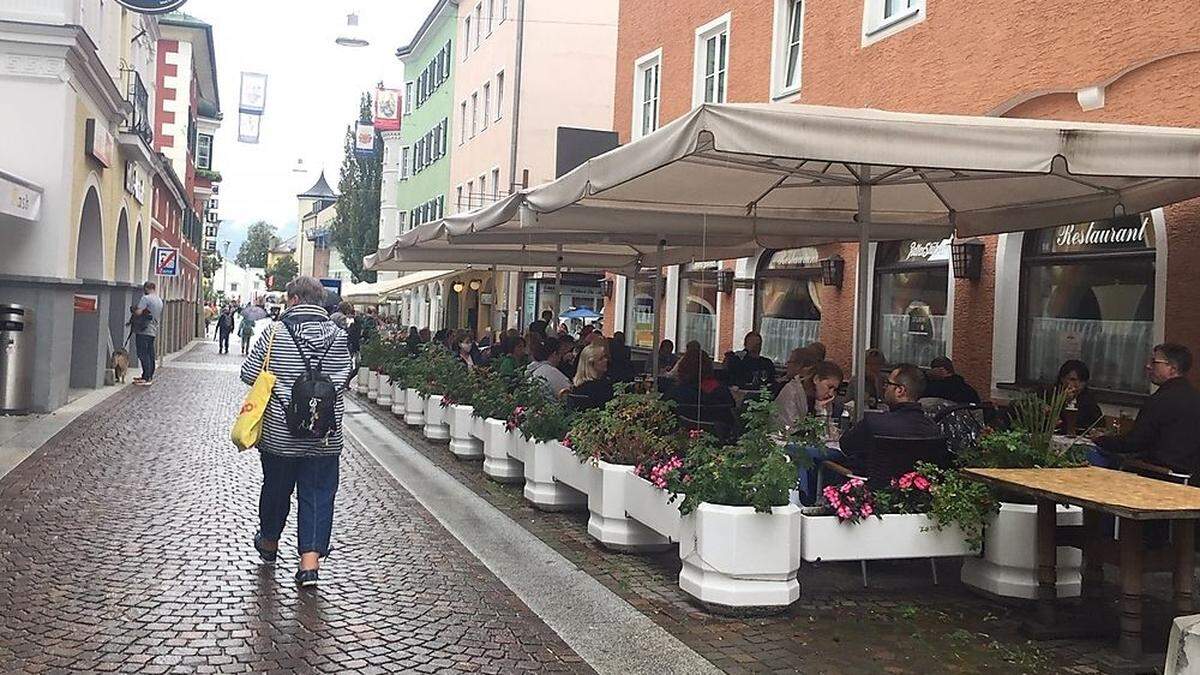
{"x":557,"y":283}
{"x":862,"y":309}
{"x":657,"y":304}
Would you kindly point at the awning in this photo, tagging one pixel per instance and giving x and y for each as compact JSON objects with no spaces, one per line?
{"x":381,"y":291}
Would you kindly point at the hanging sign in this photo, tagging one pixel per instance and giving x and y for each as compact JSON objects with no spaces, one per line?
{"x":99,"y":143}
{"x":166,"y":261}
{"x":86,"y":304}
{"x":253,"y":97}
{"x":135,"y":182}
{"x":19,"y":199}
{"x":151,"y":6}
{"x":364,"y":138}
{"x":248,"y":127}
{"x":387,"y":109}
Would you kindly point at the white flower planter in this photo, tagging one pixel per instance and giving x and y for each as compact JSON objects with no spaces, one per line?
{"x":569,"y":471}
{"x":736,"y":560}
{"x":435,"y":419}
{"x":1008,"y":567}
{"x":520,"y":447}
{"x":893,"y":537}
{"x":540,"y":487}
{"x":608,"y":523}
{"x":362,"y":384}
{"x":398,"y":396}
{"x":478,"y":429}
{"x":373,"y":386}
{"x":385,"y":391}
{"x":461,"y":420}
{"x":652,"y":507}
{"x":414,"y":409}
{"x":498,"y":463}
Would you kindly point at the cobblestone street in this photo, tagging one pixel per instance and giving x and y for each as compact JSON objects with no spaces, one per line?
{"x":125,"y":544}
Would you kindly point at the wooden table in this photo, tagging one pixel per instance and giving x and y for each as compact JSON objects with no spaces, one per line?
{"x":1133,"y":499}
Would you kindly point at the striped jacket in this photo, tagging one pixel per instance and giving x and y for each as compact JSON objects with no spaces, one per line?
{"x":315,"y":332}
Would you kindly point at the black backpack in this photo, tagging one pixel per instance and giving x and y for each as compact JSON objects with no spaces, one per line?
{"x":312,"y":411}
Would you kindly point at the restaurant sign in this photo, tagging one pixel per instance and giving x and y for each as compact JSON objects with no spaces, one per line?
{"x":151,"y":6}
{"x":1128,"y":232}
{"x":925,"y":251}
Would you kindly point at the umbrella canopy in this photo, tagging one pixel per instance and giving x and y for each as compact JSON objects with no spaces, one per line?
{"x":580,"y":313}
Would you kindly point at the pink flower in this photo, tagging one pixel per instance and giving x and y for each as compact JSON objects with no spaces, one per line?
{"x":695,"y":433}
{"x":844,"y":513}
{"x":921,"y":482}
{"x":905,"y":481}
{"x":566,"y":441}
{"x":866,"y":509}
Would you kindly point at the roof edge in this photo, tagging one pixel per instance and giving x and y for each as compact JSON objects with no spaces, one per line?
{"x":425,"y":27}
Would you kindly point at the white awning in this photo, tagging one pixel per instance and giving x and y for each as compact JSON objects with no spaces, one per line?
{"x":381,"y":291}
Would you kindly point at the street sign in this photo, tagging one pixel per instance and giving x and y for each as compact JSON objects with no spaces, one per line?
{"x":86,"y":303}
{"x":152,"y":6}
{"x":166,"y":261}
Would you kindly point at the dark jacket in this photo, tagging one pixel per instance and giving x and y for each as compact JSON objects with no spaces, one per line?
{"x":905,"y":420}
{"x":953,"y":388}
{"x":1166,"y":431}
{"x":716,"y":399}
{"x":225,"y":323}
{"x":1088,"y":413}
{"x":590,"y":394}
{"x":749,"y":371}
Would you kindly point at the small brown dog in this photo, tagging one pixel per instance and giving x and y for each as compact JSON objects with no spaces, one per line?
{"x":120,"y":364}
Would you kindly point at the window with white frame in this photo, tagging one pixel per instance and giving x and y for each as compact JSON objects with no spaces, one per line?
{"x":482,"y":188}
{"x":462,"y":123}
{"x":491,"y":12}
{"x":712,"y":62}
{"x":647,"y":86}
{"x":470,"y":195}
{"x":466,"y":38}
{"x":405,"y":157}
{"x":474,"y":114}
{"x":882,"y":18}
{"x":503,"y":10}
{"x":499,"y":94}
{"x":788,"y":47}
{"x":408,"y":96}
{"x":478,"y":21}
{"x":487,"y":103}
{"x":495,"y":184}
{"x":458,"y":198}
{"x":204,"y":151}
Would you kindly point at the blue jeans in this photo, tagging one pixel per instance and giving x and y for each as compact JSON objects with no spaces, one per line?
{"x":807,"y":479}
{"x":145,"y":354}
{"x":315,"y":480}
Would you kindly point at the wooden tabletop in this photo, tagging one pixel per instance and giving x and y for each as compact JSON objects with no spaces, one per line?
{"x":1120,"y":493}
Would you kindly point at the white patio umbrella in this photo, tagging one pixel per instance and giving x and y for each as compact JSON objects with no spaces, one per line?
{"x":781,"y":175}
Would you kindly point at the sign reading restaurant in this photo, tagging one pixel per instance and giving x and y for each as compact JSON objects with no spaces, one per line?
{"x":152,"y":6}
{"x":1100,"y":233}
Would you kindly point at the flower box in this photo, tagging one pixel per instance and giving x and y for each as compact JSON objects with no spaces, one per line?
{"x":398,"y":396}
{"x":373,"y":386}
{"x":498,"y":463}
{"x":541,"y":489}
{"x":478,"y":429}
{"x":462,"y":421}
{"x":414,"y":408}
{"x":894,"y":536}
{"x":362,"y":384}
{"x":608,"y":523}
{"x":569,"y":471}
{"x":435,"y":419}
{"x":1008,"y":567}
{"x":652,"y":507}
{"x":739,"y":561}
{"x":385,"y":391}
{"x":520,"y":447}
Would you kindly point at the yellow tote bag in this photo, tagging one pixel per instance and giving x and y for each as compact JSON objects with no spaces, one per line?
{"x":248,"y":426}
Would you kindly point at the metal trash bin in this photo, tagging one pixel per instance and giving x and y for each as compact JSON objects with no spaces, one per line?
{"x":16,"y":359}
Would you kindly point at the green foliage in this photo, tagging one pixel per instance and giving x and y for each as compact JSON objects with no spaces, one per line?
{"x":355,"y":231}
{"x":398,"y":364}
{"x":260,"y":238}
{"x":210,"y":263}
{"x":632,"y":428}
{"x":282,"y":272}
{"x":755,"y":471}
{"x":947,"y":498}
{"x":497,"y":395}
{"x":545,"y":418}
{"x":438,"y":370}
{"x":374,"y":354}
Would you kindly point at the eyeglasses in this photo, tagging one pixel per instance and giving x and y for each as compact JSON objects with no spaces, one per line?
{"x":889,"y":383}
{"x":1151,"y":362}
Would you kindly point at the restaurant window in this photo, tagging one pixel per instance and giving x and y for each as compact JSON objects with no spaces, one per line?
{"x":641,"y":310}
{"x":698,"y":305}
{"x":712,"y":62}
{"x":912,"y":281}
{"x":1087,"y":293}
{"x":788,"y":304}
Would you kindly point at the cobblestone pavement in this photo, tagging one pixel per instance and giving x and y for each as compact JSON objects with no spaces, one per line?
{"x":902,"y":623}
{"x":125,"y":546}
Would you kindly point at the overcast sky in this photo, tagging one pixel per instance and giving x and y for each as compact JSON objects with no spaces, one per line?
{"x":313,"y":89}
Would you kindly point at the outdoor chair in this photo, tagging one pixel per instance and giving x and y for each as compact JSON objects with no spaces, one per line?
{"x":961,"y":423}
{"x":715,"y":419}
{"x":576,"y":401}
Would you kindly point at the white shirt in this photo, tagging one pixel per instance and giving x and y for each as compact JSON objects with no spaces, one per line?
{"x":552,"y":378}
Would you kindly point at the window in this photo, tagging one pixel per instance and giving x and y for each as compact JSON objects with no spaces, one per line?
{"x":482,"y":189}
{"x":503,"y":10}
{"x":405,"y":157}
{"x":641,"y":310}
{"x":698,"y":305}
{"x":470,"y":195}
{"x":204,"y":151}
{"x":787,"y":301}
{"x":462,"y":123}
{"x":445,"y":133}
{"x":912,"y":281}
{"x":478,"y":21}
{"x":499,"y":94}
{"x":487,"y":103}
{"x":495,"y":184}
{"x":491,"y":12}
{"x":466,"y":38}
{"x":474,"y":114}
{"x":458,"y":198}
{"x":712,"y":62}
{"x":789,"y":35}
{"x":646,"y":89}
{"x":882,"y":18}
{"x":892,"y":8}
{"x":1087,"y":292}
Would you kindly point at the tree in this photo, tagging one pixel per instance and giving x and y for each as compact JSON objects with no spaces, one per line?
{"x":211,"y":262}
{"x":260,"y":238}
{"x":355,"y":231}
{"x":282,"y":272}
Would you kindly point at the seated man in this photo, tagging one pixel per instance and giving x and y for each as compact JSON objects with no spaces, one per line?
{"x":903,"y":419}
{"x":751,"y":370}
{"x":1167,"y":429}
{"x":946,"y":384}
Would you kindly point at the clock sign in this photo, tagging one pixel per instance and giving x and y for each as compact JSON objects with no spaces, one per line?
{"x":152,"y":6}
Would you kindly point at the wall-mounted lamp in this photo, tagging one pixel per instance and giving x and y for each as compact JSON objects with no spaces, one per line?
{"x":606,"y":287}
{"x":833,"y":269}
{"x":458,"y":287}
{"x":725,"y":281}
{"x":475,"y":284}
{"x":966,"y":257}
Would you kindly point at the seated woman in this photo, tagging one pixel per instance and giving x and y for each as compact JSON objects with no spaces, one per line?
{"x":876,"y":375}
{"x":592,"y":387}
{"x":513,"y":359}
{"x":620,"y":363}
{"x":700,"y":395}
{"x":1073,"y":378}
{"x":792,"y":401}
{"x":822,"y":400}
{"x":467,"y":351}
{"x":666,"y":355}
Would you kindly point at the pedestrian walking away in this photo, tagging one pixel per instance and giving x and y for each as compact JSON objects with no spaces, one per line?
{"x":146,"y":315}
{"x":245,"y":332}
{"x":224,"y":328}
{"x":302,"y":425}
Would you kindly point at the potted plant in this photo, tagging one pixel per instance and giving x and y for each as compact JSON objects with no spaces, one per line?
{"x":388,"y":357}
{"x":1008,"y":567}
{"x":460,"y":414}
{"x":398,"y":374}
{"x":439,"y":369}
{"x":631,"y":429}
{"x":739,"y":536}
{"x":414,"y":402}
{"x":544,"y":423}
{"x":494,"y":402}
{"x":370,"y":357}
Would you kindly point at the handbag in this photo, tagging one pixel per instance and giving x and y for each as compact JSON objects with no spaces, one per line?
{"x":247,"y":428}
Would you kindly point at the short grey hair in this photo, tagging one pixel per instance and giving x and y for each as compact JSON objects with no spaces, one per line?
{"x":306,"y":291}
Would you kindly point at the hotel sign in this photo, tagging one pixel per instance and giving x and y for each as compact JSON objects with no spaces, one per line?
{"x":151,"y":6}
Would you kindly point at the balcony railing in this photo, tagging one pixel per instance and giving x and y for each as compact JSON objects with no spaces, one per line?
{"x":138,"y":121}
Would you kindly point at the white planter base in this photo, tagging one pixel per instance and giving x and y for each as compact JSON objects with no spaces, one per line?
{"x":738,"y":561}
{"x":362,"y":383}
{"x":414,"y":409}
{"x":541,"y":489}
{"x":569,"y":471}
{"x":398,"y":392}
{"x":652,"y":507}
{"x":896,"y":536}
{"x":498,"y":463}
{"x":435,"y":420}
{"x":1008,"y":568}
{"x":373,"y":386}
{"x":462,"y":444}
{"x":385,"y":391}
{"x":608,"y":523}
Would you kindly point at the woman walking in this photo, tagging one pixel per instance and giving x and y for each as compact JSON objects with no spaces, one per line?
{"x":302,"y":425}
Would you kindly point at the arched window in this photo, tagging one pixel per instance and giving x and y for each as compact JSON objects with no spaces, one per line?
{"x":911,"y":287}
{"x":641,"y":310}
{"x":788,"y":306}
{"x":698,"y":305}
{"x":1087,"y":292}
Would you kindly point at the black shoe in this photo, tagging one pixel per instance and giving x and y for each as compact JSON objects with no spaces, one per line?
{"x":267,"y":555}
{"x":306,"y":578}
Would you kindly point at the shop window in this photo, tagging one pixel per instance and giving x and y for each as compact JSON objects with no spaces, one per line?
{"x":641,"y":310}
{"x":1087,"y":292}
{"x":698,"y":306}
{"x":788,"y":305}
{"x":911,"y":295}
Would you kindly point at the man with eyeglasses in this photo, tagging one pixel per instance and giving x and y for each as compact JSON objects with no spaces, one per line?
{"x":1167,"y":429}
{"x":904,"y":417}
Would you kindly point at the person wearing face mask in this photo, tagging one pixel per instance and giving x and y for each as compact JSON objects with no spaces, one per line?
{"x":467,"y":351}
